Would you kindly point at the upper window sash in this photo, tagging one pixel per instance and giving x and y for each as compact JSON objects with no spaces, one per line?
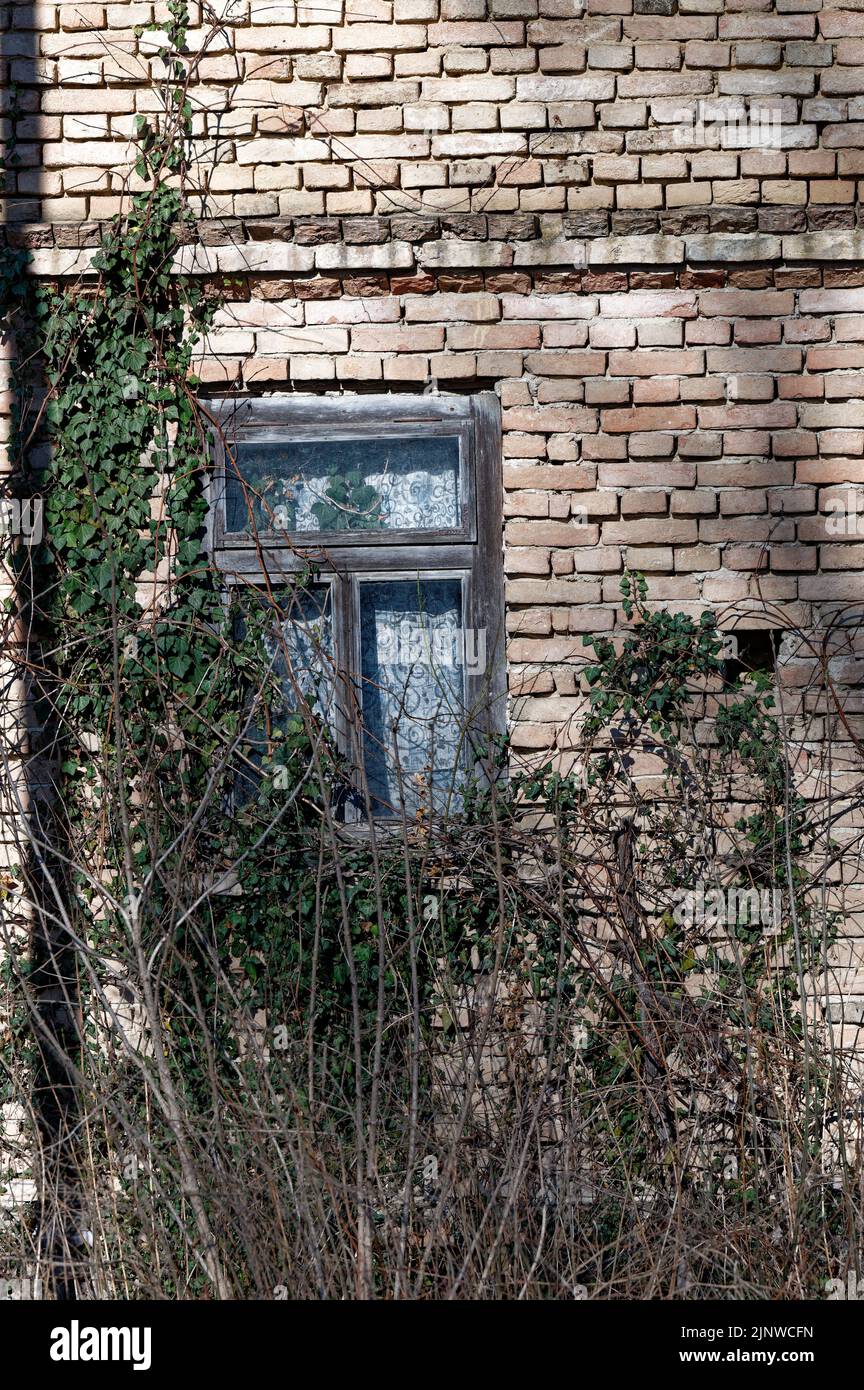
{"x":317,"y":422}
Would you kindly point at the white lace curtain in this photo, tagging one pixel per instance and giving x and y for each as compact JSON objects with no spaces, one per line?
{"x":413,"y":706}
{"x":410,"y":484}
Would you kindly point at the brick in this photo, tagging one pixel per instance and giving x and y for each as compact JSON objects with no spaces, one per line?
{"x":436,"y":255}
{"x":449,"y":308}
{"x":467,"y":34}
{"x":684,"y":84}
{"x":473,"y":89}
{"x":557,"y":478}
{"x":697,"y":559}
{"x":602,"y":392}
{"x":732,"y":248}
{"x":397,"y":337}
{"x":566,"y":363}
{"x":635,"y":250}
{"x":846,"y":414}
{"x":832,"y":301}
{"x":467,"y":337}
{"x":549,"y":533}
{"x":747,"y":303}
{"x":473,"y":144}
{"x":698,"y":502}
{"x":649,"y":304}
{"x":283,"y":39}
{"x":551,"y":306}
{"x":760,"y":26}
{"x":415,"y":9}
{"x":746,"y":473}
{"x":649,"y":418}
{"x":742,"y":359}
{"x":376,"y":38}
{"x":372,"y":93}
{"x":782,"y":415}
{"x":526,"y":560}
{"x":840,"y":588}
{"x":653,"y":531}
{"x":644,"y":502}
{"x":549,"y":421}
{"x":565,"y":89}
{"x":649,"y":363}
{"x":650,"y":559}
{"x":629,"y":473}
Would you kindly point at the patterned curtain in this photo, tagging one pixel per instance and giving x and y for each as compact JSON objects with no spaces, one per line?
{"x":301,"y":650}
{"x":299,"y":647}
{"x":412,"y":691}
{"x":346,"y":485}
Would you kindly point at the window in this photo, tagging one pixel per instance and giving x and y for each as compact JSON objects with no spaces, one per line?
{"x":393,"y":506}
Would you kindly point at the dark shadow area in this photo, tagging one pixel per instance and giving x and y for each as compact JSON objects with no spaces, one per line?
{"x":32,"y":827}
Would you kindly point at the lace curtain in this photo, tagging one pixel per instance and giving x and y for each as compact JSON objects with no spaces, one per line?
{"x":346,"y":485}
{"x":412,"y":690}
{"x":300,"y":648}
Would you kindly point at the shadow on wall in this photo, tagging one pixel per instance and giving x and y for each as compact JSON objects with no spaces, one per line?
{"x":31,"y":918}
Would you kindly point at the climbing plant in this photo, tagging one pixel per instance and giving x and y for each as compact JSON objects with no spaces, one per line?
{"x":283,"y":1035}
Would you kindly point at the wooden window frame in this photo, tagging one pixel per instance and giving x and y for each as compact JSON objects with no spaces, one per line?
{"x":473,"y":550}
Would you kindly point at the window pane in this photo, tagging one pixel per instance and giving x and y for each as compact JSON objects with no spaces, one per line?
{"x":298,"y":643}
{"x":411,"y":645}
{"x":300,"y":646}
{"x":389,"y":484}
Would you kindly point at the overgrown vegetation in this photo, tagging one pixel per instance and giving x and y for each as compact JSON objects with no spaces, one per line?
{"x":503,"y":1053}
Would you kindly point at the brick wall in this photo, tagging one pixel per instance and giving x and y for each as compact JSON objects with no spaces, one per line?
{"x":350,"y":107}
{"x":541,"y":199}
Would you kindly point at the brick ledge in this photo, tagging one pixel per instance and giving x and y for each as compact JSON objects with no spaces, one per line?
{"x":240,"y":249}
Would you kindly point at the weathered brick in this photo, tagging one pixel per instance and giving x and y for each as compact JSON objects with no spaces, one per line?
{"x":549,"y":533}
{"x":449,"y":308}
{"x":566,"y":363}
{"x":669,"y":531}
{"x":649,"y":363}
{"x":747,"y":303}
{"x":550,"y":420}
{"x":649,"y":304}
{"x":649,"y":418}
{"x":644,"y":502}
{"x":674,"y":325}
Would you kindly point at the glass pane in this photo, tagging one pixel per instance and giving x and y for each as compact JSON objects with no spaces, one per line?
{"x":412,"y":666}
{"x":300,"y":646}
{"x":298,"y":642}
{"x":388,"y":484}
